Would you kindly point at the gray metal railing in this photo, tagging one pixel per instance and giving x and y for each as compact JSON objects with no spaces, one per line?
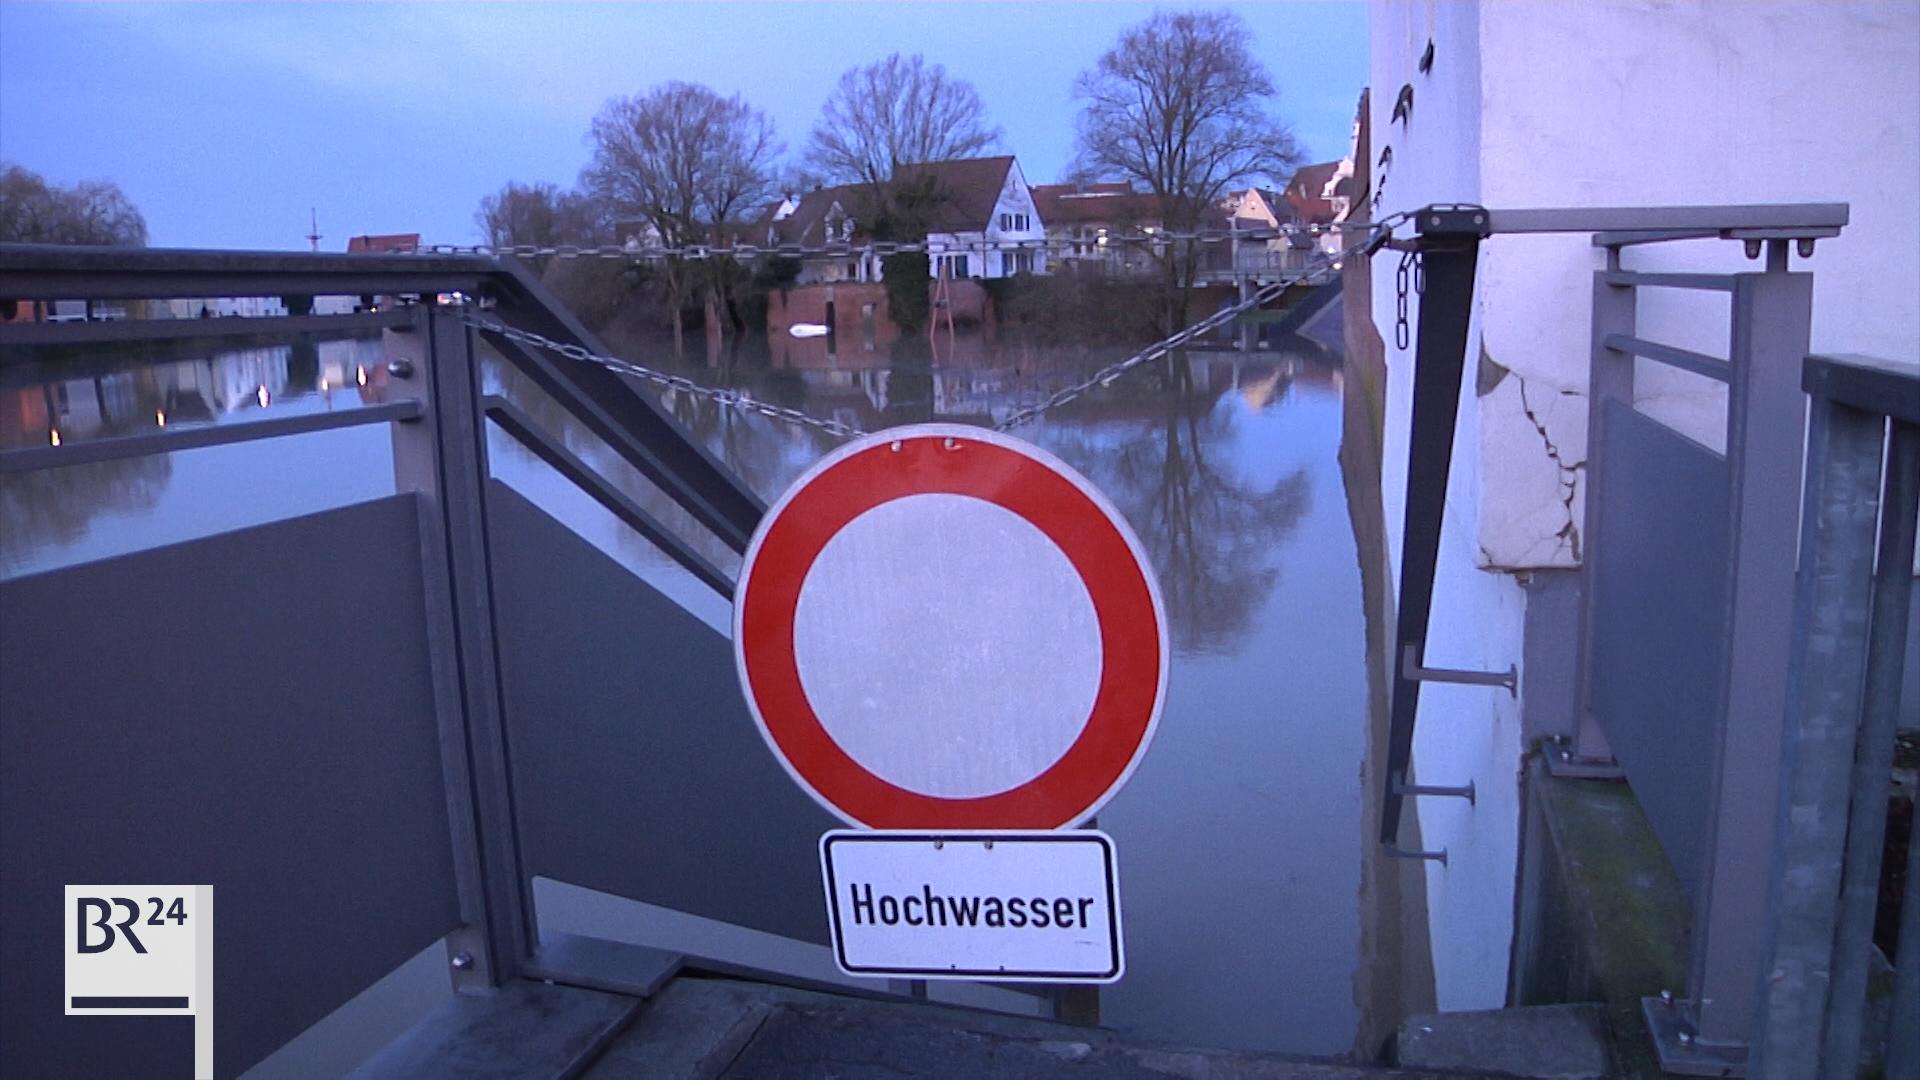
{"x":1850,"y":629}
{"x":1688,"y":616}
{"x":489,"y":624}
{"x":1690,"y":625}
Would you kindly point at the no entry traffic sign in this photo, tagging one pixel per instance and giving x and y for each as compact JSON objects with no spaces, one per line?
{"x":941,"y":627}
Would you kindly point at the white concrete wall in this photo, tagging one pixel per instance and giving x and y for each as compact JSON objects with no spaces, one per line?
{"x":1464,"y":733}
{"x":1652,"y":102}
{"x":1607,"y":103}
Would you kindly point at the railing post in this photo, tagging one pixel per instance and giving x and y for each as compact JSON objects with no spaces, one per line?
{"x":1772,"y":317}
{"x":1829,"y":658}
{"x":445,"y":459}
{"x":1609,"y":378}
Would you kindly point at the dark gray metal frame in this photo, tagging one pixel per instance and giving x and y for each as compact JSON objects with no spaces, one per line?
{"x":1447,"y":239}
{"x":439,"y":417}
{"x":1702,"y":809}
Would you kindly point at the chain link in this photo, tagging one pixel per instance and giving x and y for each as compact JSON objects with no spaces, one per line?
{"x":1375,"y":236}
{"x":1410,"y":266}
{"x":883,"y":248}
{"x":726,"y":399}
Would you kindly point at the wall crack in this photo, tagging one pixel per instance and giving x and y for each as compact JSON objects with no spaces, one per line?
{"x":1569,"y":533}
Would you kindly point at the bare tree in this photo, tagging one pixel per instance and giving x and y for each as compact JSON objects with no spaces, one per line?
{"x":897,"y":111}
{"x":540,"y":214}
{"x":90,"y":212}
{"x":1180,"y":106}
{"x":685,"y":162}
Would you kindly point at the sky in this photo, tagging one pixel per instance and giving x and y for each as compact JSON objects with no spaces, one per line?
{"x":228,"y":123}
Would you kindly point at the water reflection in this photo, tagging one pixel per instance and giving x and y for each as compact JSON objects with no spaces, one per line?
{"x":64,"y":397}
{"x":1156,"y":442}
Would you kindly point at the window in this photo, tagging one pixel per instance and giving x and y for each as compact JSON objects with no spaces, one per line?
{"x":1015,"y":222}
{"x":955,"y":266}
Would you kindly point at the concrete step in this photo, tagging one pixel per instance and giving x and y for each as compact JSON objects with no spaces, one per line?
{"x":1552,"y":1042}
{"x":702,"y":1028}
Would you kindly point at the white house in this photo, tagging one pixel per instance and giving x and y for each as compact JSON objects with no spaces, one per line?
{"x":979,"y":202}
{"x":984,"y":202}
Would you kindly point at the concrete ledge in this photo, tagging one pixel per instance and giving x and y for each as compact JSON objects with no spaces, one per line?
{"x":1552,"y":1042}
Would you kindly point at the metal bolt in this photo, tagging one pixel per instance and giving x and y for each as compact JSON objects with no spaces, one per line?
{"x":462,"y":961}
{"x":1666,"y":998}
{"x":1479,"y":219}
{"x":1566,"y":755}
{"x":1435,"y":219}
{"x":400,"y":369}
{"x":1686,"y":1038}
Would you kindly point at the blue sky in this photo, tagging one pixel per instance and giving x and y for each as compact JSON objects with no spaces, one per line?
{"x":225,"y":123}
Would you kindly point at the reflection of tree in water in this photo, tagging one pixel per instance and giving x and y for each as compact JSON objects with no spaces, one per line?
{"x":1210,"y":537}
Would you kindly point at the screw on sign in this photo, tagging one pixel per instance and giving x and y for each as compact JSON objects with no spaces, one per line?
{"x":941,"y":627}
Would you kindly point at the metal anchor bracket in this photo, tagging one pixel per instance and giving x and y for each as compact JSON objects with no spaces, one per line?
{"x":1393,"y":852}
{"x":1465,"y":791}
{"x":1410,"y":668}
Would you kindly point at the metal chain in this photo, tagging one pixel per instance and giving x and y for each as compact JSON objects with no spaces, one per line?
{"x":727,"y":399}
{"x":880,"y":248}
{"x":1410,"y":265}
{"x":1376,"y":235}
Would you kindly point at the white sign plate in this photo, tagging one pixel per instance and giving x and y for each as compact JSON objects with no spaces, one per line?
{"x":1025,"y":906}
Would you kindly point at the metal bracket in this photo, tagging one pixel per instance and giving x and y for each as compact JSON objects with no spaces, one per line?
{"x":1393,"y":852}
{"x":1464,"y":792}
{"x":1670,"y":1024}
{"x":1563,"y":764}
{"x":1410,"y":667}
{"x":1454,"y":219}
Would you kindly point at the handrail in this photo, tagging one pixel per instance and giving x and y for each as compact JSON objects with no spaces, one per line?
{"x":34,"y":458}
{"x":75,"y":272}
{"x":1644,"y":279}
{"x":529,"y":434}
{"x":1712,"y":367}
{"x":104,"y":331}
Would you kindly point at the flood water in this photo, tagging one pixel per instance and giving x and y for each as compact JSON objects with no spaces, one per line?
{"x":1256,"y":913}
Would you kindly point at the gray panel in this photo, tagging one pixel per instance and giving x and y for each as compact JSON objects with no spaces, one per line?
{"x":1660,"y":588}
{"x":636,"y":767}
{"x":250,"y":710}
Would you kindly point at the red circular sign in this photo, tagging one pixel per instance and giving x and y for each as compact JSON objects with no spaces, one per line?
{"x":951,"y":460}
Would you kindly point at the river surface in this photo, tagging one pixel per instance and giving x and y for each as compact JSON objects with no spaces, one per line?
{"x":1252,"y":917}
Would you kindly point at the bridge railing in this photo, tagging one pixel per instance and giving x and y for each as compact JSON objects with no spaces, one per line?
{"x":453,"y":702}
{"x":1688,"y":617}
{"x":1852,"y":598}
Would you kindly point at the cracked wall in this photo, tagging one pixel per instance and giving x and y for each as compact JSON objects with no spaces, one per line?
{"x":1675,"y":102}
